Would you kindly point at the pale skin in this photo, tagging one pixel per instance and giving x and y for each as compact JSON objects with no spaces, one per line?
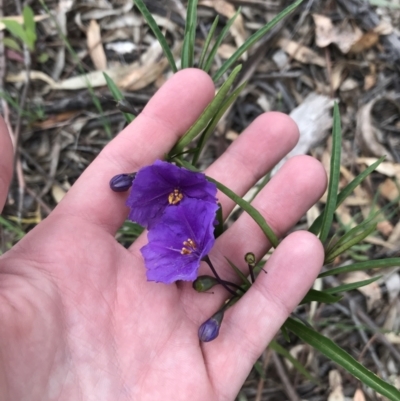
{"x":78,"y":319}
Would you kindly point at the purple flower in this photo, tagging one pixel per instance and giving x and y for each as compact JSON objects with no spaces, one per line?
{"x":209,"y":330}
{"x":179,"y":241}
{"x":162,"y":184}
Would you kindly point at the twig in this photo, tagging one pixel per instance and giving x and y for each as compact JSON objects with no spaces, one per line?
{"x":260,"y":387}
{"x":287,"y":385}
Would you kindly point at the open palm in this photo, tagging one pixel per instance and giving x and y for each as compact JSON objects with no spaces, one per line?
{"x":79,"y":321}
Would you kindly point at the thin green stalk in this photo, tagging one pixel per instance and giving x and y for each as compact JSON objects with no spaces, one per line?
{"x":207,"y":42}
{"x":190,"y":35}
{"x":157,"y":33}
{"x":334,"y":175}
{"x":254,"y":39}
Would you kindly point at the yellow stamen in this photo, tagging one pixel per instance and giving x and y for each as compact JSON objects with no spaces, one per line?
{"x":175,"y":197}
{"x":189,"y":247}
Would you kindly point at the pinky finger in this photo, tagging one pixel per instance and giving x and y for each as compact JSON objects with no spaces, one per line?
{"x":250,"y":325}
{"x":6,"y":162}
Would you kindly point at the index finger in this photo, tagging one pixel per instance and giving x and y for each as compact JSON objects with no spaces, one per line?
{"x":167,"y":116}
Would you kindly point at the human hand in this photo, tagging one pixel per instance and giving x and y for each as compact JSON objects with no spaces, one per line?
{"x":79,"y":321}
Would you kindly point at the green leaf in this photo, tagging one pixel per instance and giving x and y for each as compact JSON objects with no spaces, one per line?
{"x":30,"y":27}
{"x":275,"y":346}
{"x":343,"y":246}
{"x":319,"y":296}
{"x":189,"y":37}
{"x":247,"y":207}
{"x":219,"y":229}
{"x":207,"y":42}
{"x":334,"y":175}
{"x":331,"y":350}
{"x":15,"y":29}
{"x":370,"y":264}
{"x":157,"y":32}
{"x":219,"y":40}
{"x":43,"y":58}
{"x":239,"y":273}
{"x":254,"y":39}
{"x":12,"y":44}
{"x":12,"y":227}
{"x":214,"y":121}
{"x":207,"y":114}
{"x":117,"y":95}
{"x":347,"y":190}
{"x":351,"y":286}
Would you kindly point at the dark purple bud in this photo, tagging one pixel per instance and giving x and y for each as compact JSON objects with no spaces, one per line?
{"x":122,"y":182}
{"x":209,"y":330}
{"x":204,"y":283}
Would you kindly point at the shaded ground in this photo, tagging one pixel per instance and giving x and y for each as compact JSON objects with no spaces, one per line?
{"x":344,"y":50}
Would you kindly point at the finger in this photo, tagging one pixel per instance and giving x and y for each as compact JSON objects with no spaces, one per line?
{"x":6,"y":162}
{"x":256,"y":151}
{"x":250,"y":325}
{"x":284,"y":200}
{"x":167,"y":116}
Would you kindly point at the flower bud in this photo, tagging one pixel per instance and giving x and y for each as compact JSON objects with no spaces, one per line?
{"x":204,"y":283}
{"x":209,"y":330}
{"x":250,"y":258}
{"x":122,"y":182}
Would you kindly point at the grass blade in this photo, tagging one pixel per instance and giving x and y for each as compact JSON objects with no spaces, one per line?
{"x":370,"y":264}
{"x":207,"y":42}
{"x":346,"y":191}
{"x":207,"y":114}
{"x":319,"y":296}
{"x":219,"y":40}
{"x":334,"y":175}
{"x":239,"y":273}
{"x":331,"y":350}
{"x":351,"y":286}
{"x":247,"y":207}
{"x":213,"y":123}
{"x":296,"y":364}
{"x":157,"y":32}
{"x":190,"y":35}
{"x":117,"y":95}
{"x":253,"y":39}
{"x":338,"y":250}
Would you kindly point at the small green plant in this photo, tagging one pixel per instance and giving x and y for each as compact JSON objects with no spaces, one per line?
{"x":26,"y":32}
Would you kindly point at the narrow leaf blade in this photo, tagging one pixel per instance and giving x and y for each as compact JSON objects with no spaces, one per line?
{"x":334,"y":175}
{"x":190,"y":35}
{"x":207,"y":42}
{"x":157,"y":32}
{"x":351,"y":286}
{"x":253,"y":39}
{"x":331,"y":350}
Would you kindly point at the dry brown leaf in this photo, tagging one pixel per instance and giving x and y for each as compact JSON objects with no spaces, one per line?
{"x":372,"y":291}
{"x":55,"y":120}
{"x":389,"y":189}
{"x":299,"y":350}
{"x":359,"y":395}
{"x":335,"y":384}
{"x":95,"y":46}
{"x":369,"y":81}
{"x":337,"y":76}
{"x":367,"y":133}
{"x":344,"y":36}
{"x":225,"y":51}
{"x":58,"y":193}
{"x":384,"y":28}
{"x":151,"y":67}
{"x":228,"y":10}
{"x":366,"y":41}
{"x":301,"y":53}
{"x":385,"y":227}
